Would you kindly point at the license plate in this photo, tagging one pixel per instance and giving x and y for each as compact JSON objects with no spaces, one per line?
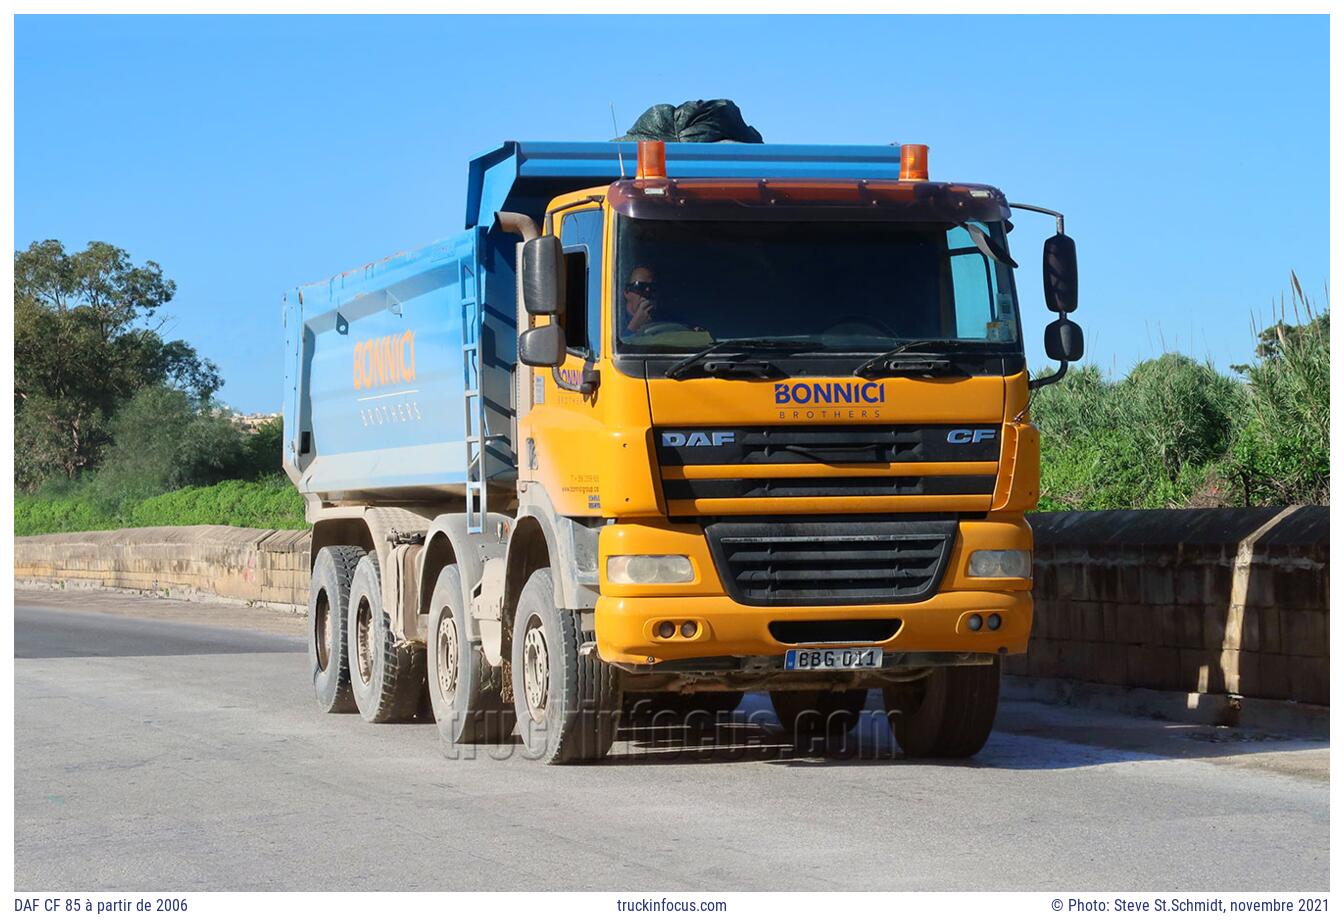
{"x":832,"y":659}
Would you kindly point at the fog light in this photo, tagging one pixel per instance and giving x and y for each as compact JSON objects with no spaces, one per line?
{"x":994,"y":621}
{"x":1000,"y":563}
{"x":688,"y":629}
{"x":649,"y":570}
{"x":667,"y":629}
{"x":974,"y":621}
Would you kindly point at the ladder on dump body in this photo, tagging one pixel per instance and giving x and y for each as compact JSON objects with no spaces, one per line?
{"x":473,"y":405}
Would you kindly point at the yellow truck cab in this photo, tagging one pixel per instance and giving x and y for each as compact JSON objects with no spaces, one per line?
{"x":767,"y":430}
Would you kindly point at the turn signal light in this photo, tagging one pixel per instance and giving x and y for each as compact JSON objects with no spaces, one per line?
{"x":914,"y":162}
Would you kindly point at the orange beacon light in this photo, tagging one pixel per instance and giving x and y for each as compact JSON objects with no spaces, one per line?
{"x":914,"y":162}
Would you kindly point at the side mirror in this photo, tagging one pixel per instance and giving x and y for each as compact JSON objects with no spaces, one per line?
{"x":1064,"y":340}
{"x":542,"y":346}
{"x":542,"y":275}
{"x":1060,"y":272}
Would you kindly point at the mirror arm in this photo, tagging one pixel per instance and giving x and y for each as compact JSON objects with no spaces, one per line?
{"x":592,"y":377}
{"x":1050,"y":378}
{"x":1059,"y":218}
{"x":1058,"y":375}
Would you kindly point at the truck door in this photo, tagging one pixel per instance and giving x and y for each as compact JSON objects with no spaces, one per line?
{"x":566,"y":424}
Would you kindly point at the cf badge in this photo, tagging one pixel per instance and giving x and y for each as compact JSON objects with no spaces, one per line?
{"x":970,"y":435}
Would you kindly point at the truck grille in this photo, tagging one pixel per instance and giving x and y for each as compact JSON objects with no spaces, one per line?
{"x":821,"y":444}
{"x":818,"y":486}
{"x":806,"y":563}
{"x":894,"y":465}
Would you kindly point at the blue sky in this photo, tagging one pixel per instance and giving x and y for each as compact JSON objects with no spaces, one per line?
{"x":250,"y":154}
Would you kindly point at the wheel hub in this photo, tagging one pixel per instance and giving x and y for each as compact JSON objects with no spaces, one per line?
{"x":322,"y":632}
{"x":363,"y":643}
{"x":447,"y":657}
{"x":536,"y":670}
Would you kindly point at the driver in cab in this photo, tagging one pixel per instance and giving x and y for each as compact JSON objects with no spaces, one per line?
{"x":642,"y":324}
{"x":639,"y":303}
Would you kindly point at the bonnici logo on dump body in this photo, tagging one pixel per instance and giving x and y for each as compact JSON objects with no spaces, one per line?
{"x":851,"y":399}
{"x":390,"y":359}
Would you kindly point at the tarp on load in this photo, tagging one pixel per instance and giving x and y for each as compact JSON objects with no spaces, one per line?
{"x":696,"y":121}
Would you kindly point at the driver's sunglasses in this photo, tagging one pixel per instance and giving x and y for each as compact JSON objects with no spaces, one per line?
{"x":642,"y":288}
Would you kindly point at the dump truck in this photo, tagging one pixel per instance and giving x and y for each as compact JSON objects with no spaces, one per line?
{"x":676,"y":422}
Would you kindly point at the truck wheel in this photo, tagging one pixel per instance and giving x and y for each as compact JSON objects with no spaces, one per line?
{"x":566,"y":703}
{"x":809,"y":714}
{"x":386,"y":675}
{"x":950,"y":713}
{"x":328,"y":598}
{"x":463,"y":688}
{"x":646,"y":708}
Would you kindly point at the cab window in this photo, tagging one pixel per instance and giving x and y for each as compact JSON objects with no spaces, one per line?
{"x":581,"y":238}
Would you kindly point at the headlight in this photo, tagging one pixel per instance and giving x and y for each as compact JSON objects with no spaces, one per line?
{"x":649,"y":570}
{"x":1000,"y":563}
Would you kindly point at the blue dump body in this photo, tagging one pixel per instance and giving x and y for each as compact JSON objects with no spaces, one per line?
{"x":380,"y":360}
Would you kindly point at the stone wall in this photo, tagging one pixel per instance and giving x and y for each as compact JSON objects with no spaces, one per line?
{"x":240,"y":563}
{"x":1219,"y":601}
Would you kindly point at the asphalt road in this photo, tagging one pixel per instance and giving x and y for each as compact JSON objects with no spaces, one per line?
{"x":155,"y":751}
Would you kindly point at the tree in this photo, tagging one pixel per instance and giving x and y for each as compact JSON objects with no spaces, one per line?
{"x":162,"y":441}
{"x":86,"y":338}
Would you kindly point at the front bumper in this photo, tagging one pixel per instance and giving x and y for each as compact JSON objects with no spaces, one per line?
{"x":627,"y":626}
{"x":627,"y":616}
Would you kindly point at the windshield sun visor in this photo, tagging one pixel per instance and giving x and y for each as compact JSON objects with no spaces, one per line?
{"x":792,"y":199}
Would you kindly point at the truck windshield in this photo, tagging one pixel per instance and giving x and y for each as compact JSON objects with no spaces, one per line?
{"x":844,"y":286}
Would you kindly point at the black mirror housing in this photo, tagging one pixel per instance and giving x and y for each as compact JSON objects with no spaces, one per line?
{"x":542,"y":275}
{"x":1060,"y":273}
{"x":1064,"y":340}
{"x":542,"y":346}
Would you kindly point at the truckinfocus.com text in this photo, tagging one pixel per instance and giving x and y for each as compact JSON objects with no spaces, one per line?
{"x":653,"y":905}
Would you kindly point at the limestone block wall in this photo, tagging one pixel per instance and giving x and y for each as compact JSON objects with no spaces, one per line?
{"x":241,"y":563}
{"x":1227,"y":600}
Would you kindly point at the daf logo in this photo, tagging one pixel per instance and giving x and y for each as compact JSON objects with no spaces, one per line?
{"x":698,"y":438}
{"x":969,"y":435}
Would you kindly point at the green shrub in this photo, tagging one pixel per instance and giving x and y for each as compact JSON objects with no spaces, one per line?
{"x":1180,"y":412}
{"x":162,"y":441}
{"x":1177,"y":433}
{"x":1282,"y":454}
{"x":262,"y":451}
{"x":273,"y":502}
{"x":270,"y":503}
{"x":1152,"y":440}
{"x":34,"y":515}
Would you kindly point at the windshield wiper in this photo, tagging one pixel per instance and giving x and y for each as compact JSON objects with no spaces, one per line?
{"x":742,"y":367}
{"x":901,"y":359}
{"x":745,"y":346}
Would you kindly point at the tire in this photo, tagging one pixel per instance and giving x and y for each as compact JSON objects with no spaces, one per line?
{"x":328,"y":600}
{"x":463,"y":688}
{"x":809,"y":714}
{"x":950,"y":713}
{"x":566,"y":703}
{"x":386,"y":675}
{"x":646,"y":708}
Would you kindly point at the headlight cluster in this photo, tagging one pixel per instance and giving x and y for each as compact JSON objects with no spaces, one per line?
{"x":649,"y":570}
{"x":1000,"y":563}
